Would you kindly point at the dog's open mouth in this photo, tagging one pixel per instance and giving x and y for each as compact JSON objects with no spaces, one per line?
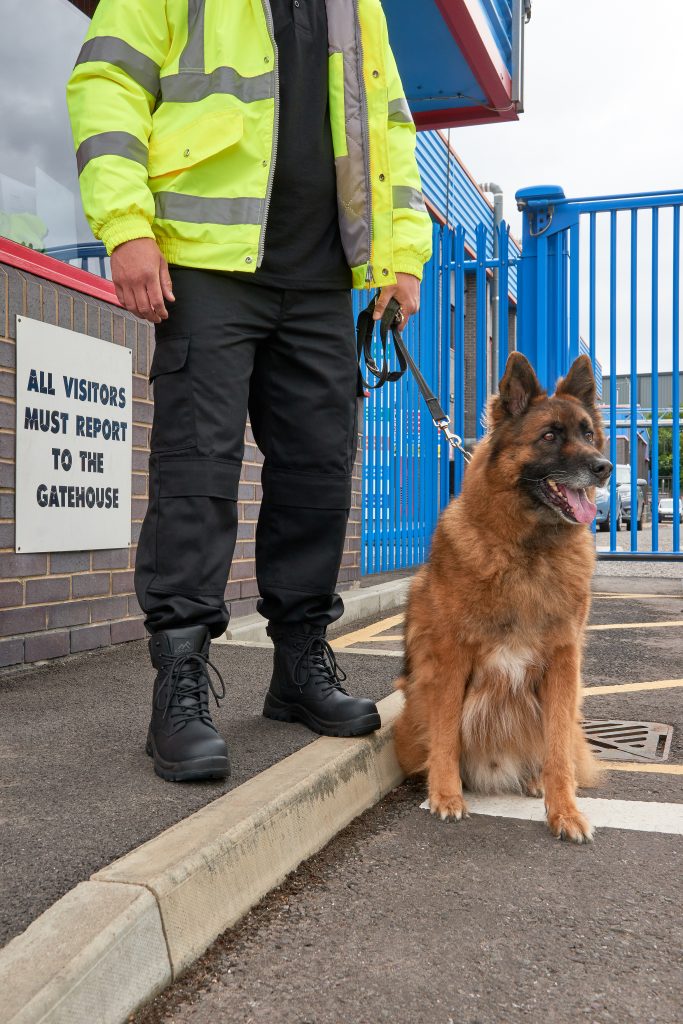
{"x":573,"y":505}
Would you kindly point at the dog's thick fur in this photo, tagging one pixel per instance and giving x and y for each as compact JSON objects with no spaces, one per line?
{"x":495,"y":619}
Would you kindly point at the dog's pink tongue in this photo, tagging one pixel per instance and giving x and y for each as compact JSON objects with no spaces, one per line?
{"x":584,"y":511}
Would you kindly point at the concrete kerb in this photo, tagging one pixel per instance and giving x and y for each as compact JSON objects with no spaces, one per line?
{"x":358,"y":604}
{"x":112,"y":943}
{"x":92,"y":958}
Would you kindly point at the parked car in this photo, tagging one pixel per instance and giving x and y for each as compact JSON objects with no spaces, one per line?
{"x":602,"y":501}
{"x":624,"y":487}
{"x":665,"y":512}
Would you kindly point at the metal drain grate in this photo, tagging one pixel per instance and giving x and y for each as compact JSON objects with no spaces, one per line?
{"x":629,"y":741}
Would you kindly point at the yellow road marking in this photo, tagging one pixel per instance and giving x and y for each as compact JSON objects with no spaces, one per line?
{"x":639,"y":625}
{"x":651,"y":769}
{"x":655,"y":684}
{"x":381,"y":638}
{"x":359,"y":635}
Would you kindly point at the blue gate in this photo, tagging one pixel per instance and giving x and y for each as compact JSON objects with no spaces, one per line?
{"x":409,"y":470}
{"x":404,"y":487}
{"x":608,"y":269}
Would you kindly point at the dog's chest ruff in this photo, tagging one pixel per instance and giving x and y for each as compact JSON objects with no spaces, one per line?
{"x":501,"y":694}
{"x":510,"y":662}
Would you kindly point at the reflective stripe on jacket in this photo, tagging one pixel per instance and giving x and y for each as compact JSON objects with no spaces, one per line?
{"x":174,"y":109}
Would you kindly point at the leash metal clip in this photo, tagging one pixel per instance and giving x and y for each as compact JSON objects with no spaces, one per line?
{"x":453,"y":439}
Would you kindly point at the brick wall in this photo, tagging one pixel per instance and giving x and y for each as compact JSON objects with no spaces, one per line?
{"x":67,"y":602}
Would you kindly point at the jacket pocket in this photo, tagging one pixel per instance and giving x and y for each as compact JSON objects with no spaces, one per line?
{"x":337,"y":104}
{"x":171,"y":152}
{"x":174,"y":423}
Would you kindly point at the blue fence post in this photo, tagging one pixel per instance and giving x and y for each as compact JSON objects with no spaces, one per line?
{"x":654,"y":451}
{"x":613,"y":373}
{"x":633,"y":395}
{"x":574,"y":271}
{"x":675,"y":391}
{"x":459,"y":349}
{"x":538,"y":203}
{"x":442,"y":326}
{"x":503,"y":300}
{"x":481,"y":373}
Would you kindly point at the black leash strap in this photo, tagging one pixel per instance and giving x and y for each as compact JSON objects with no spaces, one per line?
{"x":365,"y":329}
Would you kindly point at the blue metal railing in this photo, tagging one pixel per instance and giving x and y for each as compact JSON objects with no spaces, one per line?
{"x":82,"y":252}
{"x":407,"y":477}
{"x":403,"y":465}
{"x":552,"y":299}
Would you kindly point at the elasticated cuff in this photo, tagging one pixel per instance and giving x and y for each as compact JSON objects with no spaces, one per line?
{"x":407,"y":262}
{"x":125,"y":229}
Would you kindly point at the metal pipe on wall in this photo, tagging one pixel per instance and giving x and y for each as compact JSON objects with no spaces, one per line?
{"x":497,"y":193}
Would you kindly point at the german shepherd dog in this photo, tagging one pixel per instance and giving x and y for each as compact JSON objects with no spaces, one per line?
{"x":495,"y":618}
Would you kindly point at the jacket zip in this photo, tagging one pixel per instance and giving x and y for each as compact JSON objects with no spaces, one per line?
{"x":366,"y":134}
{"x":276,"y":129}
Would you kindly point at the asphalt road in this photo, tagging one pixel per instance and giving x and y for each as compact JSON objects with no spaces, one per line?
{"x":77,"y":789}
{"x":406,"y":919}
{"x":490,"y":921}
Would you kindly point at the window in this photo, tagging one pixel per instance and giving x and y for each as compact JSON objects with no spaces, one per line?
{"x":40,"y":204}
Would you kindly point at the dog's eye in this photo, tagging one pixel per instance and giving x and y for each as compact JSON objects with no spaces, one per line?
{"x":549,"y":436}
{"x":589,"y":436}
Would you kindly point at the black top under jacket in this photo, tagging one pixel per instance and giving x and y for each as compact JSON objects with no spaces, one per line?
{"x":303,"y":246}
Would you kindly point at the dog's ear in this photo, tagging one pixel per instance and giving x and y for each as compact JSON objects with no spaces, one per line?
{"x":517,"y":389}
{"x":579,"y":382}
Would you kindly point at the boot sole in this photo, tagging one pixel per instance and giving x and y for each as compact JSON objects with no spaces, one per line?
{"x":279,"y":711}
{"x":188,"y":771}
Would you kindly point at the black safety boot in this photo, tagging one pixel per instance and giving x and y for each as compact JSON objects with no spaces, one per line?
{"x":182,"y":739}
{"x":306,"y":686}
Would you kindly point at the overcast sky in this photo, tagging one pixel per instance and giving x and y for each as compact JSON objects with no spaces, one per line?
{"x":603,"y":105}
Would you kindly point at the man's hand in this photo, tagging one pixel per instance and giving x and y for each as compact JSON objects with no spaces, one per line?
{"x":406,"y":291}
{"x":141,"y":278}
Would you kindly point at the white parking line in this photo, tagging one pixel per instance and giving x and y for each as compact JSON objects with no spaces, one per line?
{"x":632,"y":815}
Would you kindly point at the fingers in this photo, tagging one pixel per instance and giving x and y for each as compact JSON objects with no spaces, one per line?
{"x":166,"y":283}
{"x":143,"y":304}
{"x":406,"y":291}
{"x":141,"y":279}
{"x":156,"y":298}
{"x":382,"y":301}
{"x":409,"y":307}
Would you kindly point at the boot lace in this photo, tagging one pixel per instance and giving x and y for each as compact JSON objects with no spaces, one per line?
{"x":316,"y":656}
{"x":186,"y":699}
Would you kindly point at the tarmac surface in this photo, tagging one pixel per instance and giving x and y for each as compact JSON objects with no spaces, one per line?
{"x":401,"y":917}
{"x":77,"y":788}
{"x":411,"y":920}
{"x":408,"y":919}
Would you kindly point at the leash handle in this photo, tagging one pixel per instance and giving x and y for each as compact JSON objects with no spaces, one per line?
{"x":365,"y":330}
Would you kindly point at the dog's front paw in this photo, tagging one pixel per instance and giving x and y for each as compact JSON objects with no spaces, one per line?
{"x":448,"y":806}
{"x":569,"y":823}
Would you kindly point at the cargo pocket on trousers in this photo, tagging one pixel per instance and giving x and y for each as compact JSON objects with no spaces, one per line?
{"x":174,"y":423}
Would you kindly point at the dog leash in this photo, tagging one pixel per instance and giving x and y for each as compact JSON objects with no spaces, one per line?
{"x":365,"y":329}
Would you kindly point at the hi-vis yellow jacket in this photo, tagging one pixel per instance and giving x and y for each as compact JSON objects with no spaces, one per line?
{"x":174,"y":108}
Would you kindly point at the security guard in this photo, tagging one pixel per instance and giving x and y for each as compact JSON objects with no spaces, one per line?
{"x":246,"y":164}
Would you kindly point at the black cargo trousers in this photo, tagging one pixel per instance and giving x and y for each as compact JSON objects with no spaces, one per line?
{"x":288,"y":358}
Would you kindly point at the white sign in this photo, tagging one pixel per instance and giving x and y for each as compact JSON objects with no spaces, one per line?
{"x":74,"y":444}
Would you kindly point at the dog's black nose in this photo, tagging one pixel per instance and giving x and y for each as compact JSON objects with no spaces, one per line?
{"x":601,"y":468}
